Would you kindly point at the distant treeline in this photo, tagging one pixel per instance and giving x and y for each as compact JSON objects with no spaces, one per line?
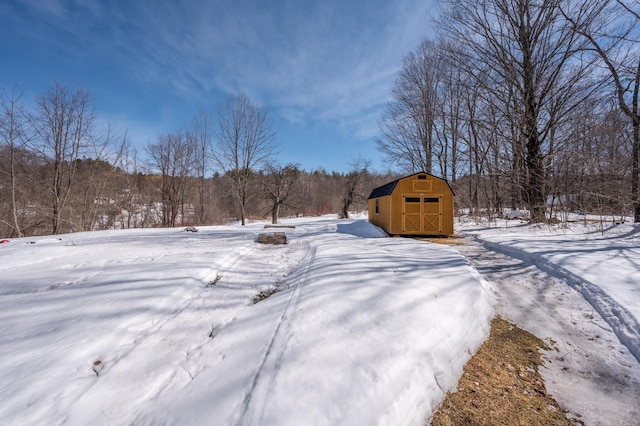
{"x":104,"y":196}
{"x":63,"y":169}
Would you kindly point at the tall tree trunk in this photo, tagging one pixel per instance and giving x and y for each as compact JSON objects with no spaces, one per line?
{"x":635,"y":161}
{"x":11,"y":131}
{"x":535,"y":182}
{"x":55,"y":207}
{"x":14,"y":206}
{"x":243,"y":202}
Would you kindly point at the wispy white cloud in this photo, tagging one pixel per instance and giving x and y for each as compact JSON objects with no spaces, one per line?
{"x":327,"y":60}
{"x":330,"y":61}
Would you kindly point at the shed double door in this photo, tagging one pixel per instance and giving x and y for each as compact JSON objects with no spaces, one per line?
{"x":422,"y":214}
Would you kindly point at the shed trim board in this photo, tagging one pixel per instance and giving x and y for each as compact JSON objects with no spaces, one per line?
{"x":418,"y":204}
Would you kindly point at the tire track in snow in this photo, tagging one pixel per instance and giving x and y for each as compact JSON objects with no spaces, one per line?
{"x":179,"y":353}
{"x":146,"y":333}
{"x":230,"y":266}
{"x":624,"y":325}
{"x":300,"y":276}
{"x":231,"y":269}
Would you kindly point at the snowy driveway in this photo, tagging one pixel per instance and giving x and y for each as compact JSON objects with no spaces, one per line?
{"x":600,"y":261}
{"x":547,"y":281}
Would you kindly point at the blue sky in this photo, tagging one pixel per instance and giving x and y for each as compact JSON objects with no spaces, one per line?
{"x":324,"y":69}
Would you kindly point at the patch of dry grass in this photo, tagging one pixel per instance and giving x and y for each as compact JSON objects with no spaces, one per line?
{"x":501,"y":384}
{"x":454,"y":240}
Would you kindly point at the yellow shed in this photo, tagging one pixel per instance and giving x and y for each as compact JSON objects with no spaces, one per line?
{"x":420,"y":204}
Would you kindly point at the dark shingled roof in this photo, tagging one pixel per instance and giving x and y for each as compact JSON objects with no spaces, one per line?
{"x":388,"y":188}
{"x":383,"y":190}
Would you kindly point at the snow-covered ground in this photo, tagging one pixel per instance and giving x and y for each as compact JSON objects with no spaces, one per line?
{"x":577,"y":286}
{"x":600,"y":261}
{"x":160,"y":326}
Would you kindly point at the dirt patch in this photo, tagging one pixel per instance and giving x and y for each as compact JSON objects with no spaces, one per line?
{"x":501,"y":384}
{"x":454,"y":240}
{"x":264,"y":294}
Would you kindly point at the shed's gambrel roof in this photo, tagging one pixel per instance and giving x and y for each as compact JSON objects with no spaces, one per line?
{"x":388,"y":188}
{"x":383,"y":190}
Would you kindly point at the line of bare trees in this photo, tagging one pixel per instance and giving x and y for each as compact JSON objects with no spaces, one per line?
{"x":53,"y":161}
{"x":525,"y":104}
{"x":64,"y":169}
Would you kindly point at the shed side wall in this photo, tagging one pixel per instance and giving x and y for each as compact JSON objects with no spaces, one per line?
{"x":383,"y":217}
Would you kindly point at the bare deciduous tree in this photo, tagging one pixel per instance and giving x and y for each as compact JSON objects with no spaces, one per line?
{"x":200,"y":134}
{"x":278,"y":183}
{"x":103,"y":150}
{"x":62,"y":124}
{"x":524,"y":51}
{"x":450,"y":119}
{"x":408,"y":124}
{"x":172,"y":156}
{"x":13,"y":136}
{"x":614,"y":34}
{"x":245,"y":140}
{"x":353,"y":181}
